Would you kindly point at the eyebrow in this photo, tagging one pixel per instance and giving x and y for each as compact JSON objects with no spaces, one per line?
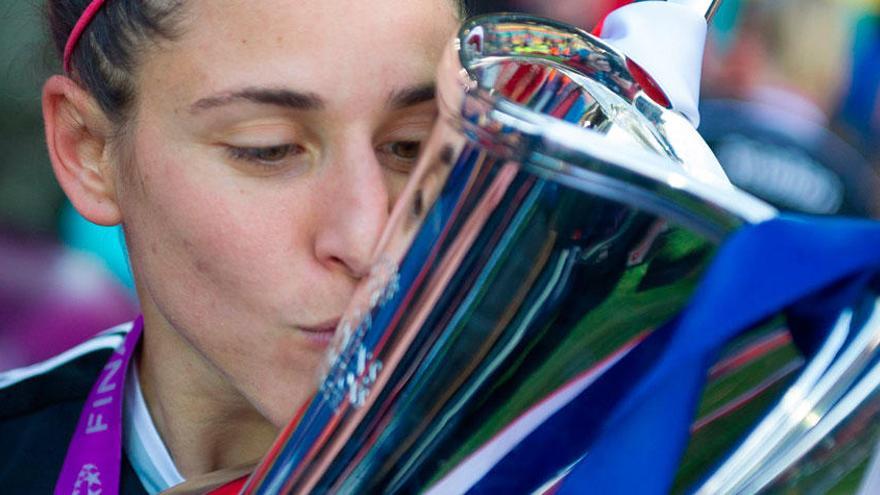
{"x":408,"y":97}
{"x":297,"y":100}
{"x":268,"y":96}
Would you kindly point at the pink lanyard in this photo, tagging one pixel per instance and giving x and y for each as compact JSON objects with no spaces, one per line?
{"x":94,"y":457}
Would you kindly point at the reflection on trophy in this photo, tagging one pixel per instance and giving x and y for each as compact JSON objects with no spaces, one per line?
{"x":560,"y":213}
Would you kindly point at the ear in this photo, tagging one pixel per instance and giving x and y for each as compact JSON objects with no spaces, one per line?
{"x":77,"y":132}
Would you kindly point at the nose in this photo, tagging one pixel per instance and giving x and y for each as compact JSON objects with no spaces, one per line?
{"x":354,"y":212}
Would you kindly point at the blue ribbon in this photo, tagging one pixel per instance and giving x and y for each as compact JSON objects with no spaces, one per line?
{"x":634,"y":421}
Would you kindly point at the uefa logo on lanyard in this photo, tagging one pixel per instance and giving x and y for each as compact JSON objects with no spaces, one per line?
{"x":88,"y":481}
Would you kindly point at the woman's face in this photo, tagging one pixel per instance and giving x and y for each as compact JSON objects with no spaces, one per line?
{"x":270,"y":141}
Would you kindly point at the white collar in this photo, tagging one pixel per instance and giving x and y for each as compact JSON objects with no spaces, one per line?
{"x":144,"y":447}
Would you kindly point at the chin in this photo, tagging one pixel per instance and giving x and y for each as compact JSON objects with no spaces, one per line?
{"x":290,"y":383}
{"x":281,"y":412}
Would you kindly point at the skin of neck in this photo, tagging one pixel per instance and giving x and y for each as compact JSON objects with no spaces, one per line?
{"x":205,"y":423}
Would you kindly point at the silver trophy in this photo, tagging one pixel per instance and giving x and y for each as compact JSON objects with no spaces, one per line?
{"x":560,"y":212}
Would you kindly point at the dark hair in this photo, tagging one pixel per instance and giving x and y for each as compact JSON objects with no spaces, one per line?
{"x":105,"y":59}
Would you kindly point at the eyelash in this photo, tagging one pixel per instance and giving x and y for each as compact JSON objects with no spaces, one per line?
{"x":416,"y":144}
{"x":278,"y":154}
{"x":409,"y":159}
{"x":256,"y":154}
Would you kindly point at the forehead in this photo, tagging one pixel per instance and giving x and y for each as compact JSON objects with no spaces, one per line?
{"x":340,"y":46}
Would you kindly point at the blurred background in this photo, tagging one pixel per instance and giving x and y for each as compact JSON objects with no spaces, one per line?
{"x":791,"y":106}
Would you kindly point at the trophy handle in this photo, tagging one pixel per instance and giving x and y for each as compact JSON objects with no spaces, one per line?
{"x":838,"y":385}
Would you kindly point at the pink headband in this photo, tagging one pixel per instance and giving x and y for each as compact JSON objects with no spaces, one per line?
{"x":81,"y":25}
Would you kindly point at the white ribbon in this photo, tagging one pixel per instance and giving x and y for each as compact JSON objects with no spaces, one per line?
{"x":667,"y":40}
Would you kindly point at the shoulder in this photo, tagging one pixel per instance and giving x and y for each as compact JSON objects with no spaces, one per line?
{"x":40,"y":406}
{"x":63,"y":378}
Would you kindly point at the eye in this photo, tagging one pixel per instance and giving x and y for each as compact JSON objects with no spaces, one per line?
{"x":400,"y":156}
{"x":265,"y":155}
{"x":406,"y":150}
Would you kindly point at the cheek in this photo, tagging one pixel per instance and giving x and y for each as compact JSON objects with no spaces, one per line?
{"x":202,"y":232}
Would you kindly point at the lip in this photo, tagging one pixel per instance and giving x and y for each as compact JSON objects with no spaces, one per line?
{"x":322,"y":333}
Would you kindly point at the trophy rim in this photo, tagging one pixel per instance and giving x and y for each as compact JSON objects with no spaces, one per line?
{"x":580,"y":157}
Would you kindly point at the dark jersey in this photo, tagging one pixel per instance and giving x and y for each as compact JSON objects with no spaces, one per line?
{"x":39,"y":409}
